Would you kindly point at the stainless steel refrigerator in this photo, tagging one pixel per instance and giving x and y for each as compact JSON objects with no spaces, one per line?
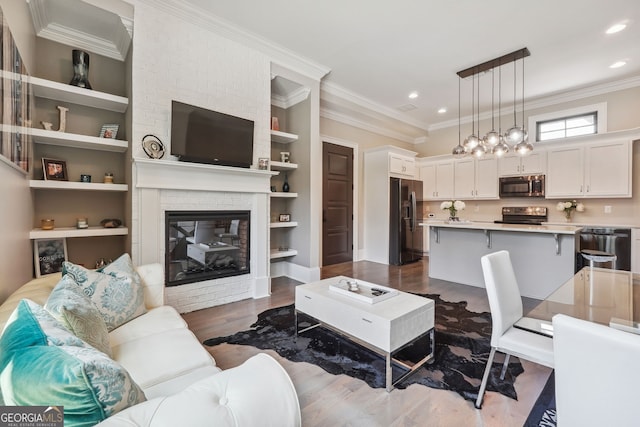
{"x":405,"y":235}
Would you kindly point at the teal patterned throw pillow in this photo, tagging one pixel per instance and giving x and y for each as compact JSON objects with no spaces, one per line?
{"x":116,"y":290}
{"x":42,"y":363}
{"x":71,"y":307}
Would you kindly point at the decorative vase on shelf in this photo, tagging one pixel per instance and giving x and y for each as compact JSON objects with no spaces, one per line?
{"x":80,"y":69}
{"x":567,"y":215}
{"x":285,"y":186}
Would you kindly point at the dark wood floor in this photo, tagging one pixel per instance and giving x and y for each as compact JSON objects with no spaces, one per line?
{"x":338,"y":400}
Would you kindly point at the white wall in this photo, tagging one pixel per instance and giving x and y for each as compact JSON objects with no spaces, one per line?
{"x":16,"y":218}
{"x":191,"y":64}
{"x":194,"y":65}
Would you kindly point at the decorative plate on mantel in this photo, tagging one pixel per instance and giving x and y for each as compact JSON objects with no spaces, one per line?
{"x":152,"y":146}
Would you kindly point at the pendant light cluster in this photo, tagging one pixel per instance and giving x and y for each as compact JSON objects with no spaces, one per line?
{"x":494,"y":142}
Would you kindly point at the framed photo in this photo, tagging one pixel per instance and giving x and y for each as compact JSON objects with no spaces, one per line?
{"x":263,"y":163}
{"x":54,"y":170}
{"x":48,"y":255}
{"x":284,"y":218}
{"x":109,"y":131}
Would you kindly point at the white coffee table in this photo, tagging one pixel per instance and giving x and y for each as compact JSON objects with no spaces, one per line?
{"x":386,"y":327}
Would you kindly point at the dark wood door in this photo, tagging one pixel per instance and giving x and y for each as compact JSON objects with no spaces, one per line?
{"x":337,"y":204}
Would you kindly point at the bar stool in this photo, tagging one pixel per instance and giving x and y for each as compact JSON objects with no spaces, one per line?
{"x":593,"y":255}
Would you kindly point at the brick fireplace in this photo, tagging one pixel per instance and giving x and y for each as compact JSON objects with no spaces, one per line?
{"x":161,"y":186}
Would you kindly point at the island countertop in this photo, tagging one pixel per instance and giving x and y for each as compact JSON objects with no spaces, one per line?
{"x":479,"y":225}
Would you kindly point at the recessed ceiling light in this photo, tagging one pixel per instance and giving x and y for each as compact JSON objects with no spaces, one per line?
{"x":618,"y":64}
{"x":616,"y":28}
{"x":413,"y":95}
{"x":442,"y":110}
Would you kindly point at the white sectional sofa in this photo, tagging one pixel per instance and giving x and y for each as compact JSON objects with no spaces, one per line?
{"x":179,"y":377}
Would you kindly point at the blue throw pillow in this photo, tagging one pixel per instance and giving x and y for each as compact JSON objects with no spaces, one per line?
{"x":116,"y":290}
{"x":42,"y":363}
{"x":71,"y":307}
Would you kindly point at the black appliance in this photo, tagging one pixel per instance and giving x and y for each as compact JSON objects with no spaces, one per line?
{"x":205,"y":136}
{"x":405,"y":235}
{"x":522,"y":186}
{"x":532,"y":215}
{"x":615,"y":241}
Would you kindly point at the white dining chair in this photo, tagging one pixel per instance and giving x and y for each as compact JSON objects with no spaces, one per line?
{"x":596,"y":373}
{"x":505,"y":304}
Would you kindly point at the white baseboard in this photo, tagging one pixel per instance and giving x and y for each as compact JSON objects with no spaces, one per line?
{"x":295,"y":271}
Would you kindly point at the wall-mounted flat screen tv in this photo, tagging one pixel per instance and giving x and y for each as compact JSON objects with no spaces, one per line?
{"x":205,"y":136}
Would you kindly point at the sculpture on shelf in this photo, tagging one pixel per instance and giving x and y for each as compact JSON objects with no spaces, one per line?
{"x":80,"y":69}
{"x":63,"y":118}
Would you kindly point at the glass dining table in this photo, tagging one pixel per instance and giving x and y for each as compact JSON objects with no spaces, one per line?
{"x":600,"y":295}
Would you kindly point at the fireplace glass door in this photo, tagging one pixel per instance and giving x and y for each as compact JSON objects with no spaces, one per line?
{"x":205,"y":245}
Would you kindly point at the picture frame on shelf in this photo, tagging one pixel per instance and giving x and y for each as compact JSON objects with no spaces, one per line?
{"x":263,"y":163}
{"x":48,"y":255}
{"x":109,"y":131}
{"x":54,"y":170}
{"x":284,"y":217}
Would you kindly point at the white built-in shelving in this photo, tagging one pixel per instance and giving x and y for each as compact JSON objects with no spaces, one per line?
{"x":62,"y":232}
{"x":56,"y":91}
{"x":287,"y":224}
{"x":283,"y":137}
{"x":284,"y":195}
{"x":283,"y":166}
{"x":277,"y":254}
{"x":81,"y":186}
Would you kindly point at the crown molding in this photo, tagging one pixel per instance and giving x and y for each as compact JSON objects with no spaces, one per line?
{"x":290,"y":99}
{"x":114,"y":45}
{"x":366,"y":104}
{"x":555,"y":99}
{"x":349,"y":120}
{"x":210,"y":22}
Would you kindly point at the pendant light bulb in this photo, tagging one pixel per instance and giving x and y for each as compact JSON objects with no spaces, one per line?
{"x":514,"y":134}
{"x":471,"y":142}
{"x":523,"y":148}
{"x":478,"y":151}
{"x":458,"y":150}
{"x":492,"y":139}
{"x":501,"y":149}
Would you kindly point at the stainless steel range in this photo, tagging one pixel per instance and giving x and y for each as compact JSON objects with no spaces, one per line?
{"x":532,"y":215}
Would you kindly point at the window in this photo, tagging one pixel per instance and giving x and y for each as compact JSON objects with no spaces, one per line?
{"x":573,"y":122}
{"x":566,"y":127}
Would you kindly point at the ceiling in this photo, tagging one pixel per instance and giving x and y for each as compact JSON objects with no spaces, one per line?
{"x":378,"y":51}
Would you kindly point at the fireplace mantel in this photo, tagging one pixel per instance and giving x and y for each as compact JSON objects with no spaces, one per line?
{"x":176,"y":175}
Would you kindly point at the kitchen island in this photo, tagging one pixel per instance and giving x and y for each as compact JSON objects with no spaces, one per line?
{"x":543,"y":256}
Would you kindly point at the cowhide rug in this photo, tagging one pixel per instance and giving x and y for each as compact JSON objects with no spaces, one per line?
{"x":462,"y":346}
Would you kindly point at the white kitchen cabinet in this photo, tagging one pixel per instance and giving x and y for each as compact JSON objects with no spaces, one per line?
{"x":608,"y":169}
{"x":437,"y":180}
{"x":401,"y":165}
{"x":600,"y":170}
{"x":565,"y":172}
{"x":476,"y":178}
{"x":514,"y":164}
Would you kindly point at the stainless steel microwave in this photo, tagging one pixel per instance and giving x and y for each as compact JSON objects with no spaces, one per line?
{"x":522,"y":186}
